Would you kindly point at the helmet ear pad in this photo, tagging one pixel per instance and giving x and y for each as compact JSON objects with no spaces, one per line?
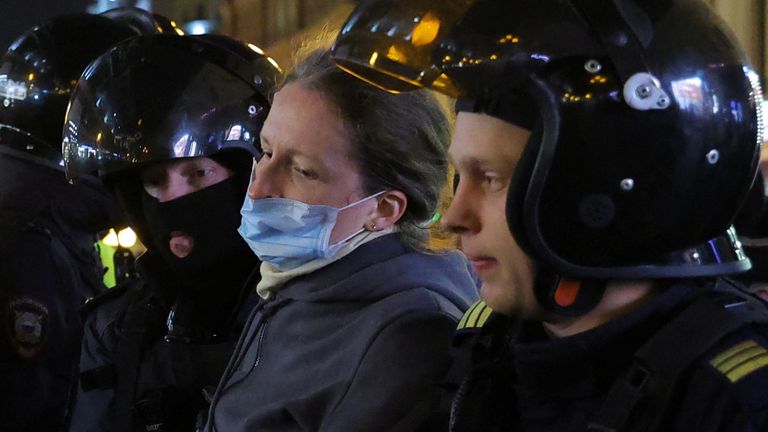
{"x":531,"y":172}
{"x":556,"y":294}
{"x":516,"y":211}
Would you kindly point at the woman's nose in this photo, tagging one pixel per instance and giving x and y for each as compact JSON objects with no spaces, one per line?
{"x":262,"y":183}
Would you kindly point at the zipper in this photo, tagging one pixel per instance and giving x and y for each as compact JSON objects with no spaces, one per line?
{"x":457,"y":404}
{"x":238,"y":356}
{"x":260,"y":341}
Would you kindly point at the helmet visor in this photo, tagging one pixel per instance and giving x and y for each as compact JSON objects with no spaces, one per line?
{"x":151,"y":101}
{"x":394,"y":44}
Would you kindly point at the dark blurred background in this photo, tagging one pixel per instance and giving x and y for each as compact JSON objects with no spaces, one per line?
{"x":276,"y":25}
{"x":16,"y":16}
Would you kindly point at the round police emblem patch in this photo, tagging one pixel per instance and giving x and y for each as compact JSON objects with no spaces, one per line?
{"x":27,"y":326}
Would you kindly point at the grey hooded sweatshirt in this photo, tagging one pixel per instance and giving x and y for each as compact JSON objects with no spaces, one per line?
{"x":358,"y":345}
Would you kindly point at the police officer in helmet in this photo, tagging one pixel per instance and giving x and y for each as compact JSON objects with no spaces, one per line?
{"x":603,"y":148}
{"x":171,"y":123}
{"x":48,"y":227}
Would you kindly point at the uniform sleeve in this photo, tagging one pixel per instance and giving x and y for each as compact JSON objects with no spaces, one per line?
{"x":395,"y":385}
{"x":93,"y":405}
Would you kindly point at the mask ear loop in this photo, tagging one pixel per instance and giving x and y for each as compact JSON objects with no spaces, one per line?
{"x":341,"y":242}
{"x":361,"y":200}
{"x":362,"y":229}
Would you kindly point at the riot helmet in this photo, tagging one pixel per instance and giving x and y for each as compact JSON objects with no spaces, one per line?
{"x":160,"y":98}
{"x":645,"y":120}
{"x":40,"y":70}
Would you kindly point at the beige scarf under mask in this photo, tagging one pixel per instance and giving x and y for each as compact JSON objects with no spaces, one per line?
{"x":273,"y":279}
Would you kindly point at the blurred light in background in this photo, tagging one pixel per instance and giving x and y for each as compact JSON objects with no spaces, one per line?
{"x":125,"y":238}
{"x":111,"y":238}
{"x":200,"y":26}
{"x":100,"y":6}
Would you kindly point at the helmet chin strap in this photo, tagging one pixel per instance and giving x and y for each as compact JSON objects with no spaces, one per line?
{"x":567,"y":297}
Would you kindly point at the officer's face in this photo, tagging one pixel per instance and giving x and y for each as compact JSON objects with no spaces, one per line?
{"x":174,"y":179}
{"x":307,"y":157}
{"x":485,"y":151}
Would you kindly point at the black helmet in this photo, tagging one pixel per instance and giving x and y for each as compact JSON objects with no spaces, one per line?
{"x":646,"y":120}
{"x":158,"y":98}
{"x":40,"y":69}
{"x":162,"y":97}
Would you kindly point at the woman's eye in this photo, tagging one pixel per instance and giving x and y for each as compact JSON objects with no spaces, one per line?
{"x":311,"y":175}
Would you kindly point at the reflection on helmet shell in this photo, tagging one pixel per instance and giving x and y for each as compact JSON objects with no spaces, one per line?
{"x":40,"y":70}
{"x":162,"y":97}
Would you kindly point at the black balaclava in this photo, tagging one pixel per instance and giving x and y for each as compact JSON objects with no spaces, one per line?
{"x":213,"y":275}
{"x":211,"y":216}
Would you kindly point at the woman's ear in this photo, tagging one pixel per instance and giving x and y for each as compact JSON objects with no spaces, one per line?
{"x":390,"y":208}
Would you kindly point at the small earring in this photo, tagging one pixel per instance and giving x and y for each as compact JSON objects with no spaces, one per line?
{"x":372,"y":227}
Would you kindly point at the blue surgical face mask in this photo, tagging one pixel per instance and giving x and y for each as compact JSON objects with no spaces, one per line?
{"x":288,"y":233}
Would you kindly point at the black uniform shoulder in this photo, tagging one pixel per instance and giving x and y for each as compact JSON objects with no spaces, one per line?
{"x":481,"y":337}
{"x":480,"y":324}
{"x":729,"y":378}
{"x":739,"y":362}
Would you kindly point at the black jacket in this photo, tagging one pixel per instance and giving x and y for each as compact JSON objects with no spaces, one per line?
{"x":358,"y":345}
{"x":519,"y":379}
{"x":48,"y":267}
{"x":135,"y":375}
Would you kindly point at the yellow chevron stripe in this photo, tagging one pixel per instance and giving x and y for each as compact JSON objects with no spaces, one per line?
{"x":463,"y":321}
{"x":734,"y":350}
{"x":743,"y":356}
{"x":748,"y":367}
{"x":484,"y":316}
{"x":475,"y":316}
{"x":472,"y":320}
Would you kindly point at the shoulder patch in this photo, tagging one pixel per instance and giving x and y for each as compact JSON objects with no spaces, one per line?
{"x":27,"y":326}
{"x":475,"y":316}
{"x":740,"y":360}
